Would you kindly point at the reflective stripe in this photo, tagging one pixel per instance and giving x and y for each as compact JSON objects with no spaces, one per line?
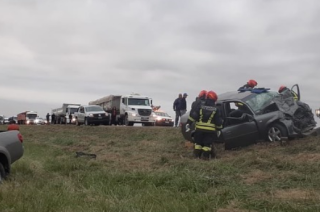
{"x":206,"y":149}
{"x":191,"y":119}
{"x":206,"y":125}
{"x":197,"y":146}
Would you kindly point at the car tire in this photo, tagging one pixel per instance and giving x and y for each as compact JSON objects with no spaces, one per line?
{"x":276,"y":132}
{"x":2,"y":173}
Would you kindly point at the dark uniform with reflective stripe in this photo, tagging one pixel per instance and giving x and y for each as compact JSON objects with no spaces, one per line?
{"x":207,"y":122}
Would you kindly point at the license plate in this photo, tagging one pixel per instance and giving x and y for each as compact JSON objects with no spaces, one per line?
{"x":144,"y":119}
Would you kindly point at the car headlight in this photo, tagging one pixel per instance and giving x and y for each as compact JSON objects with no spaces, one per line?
{"x":90,"y":115}
{"x":107,"y":114}
{"x":158,"y":118}
{"x":133,"y":114}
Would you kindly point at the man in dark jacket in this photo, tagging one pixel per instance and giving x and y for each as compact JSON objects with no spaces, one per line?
{"x":183,"y":104}
{"x":176,"y":108}
{"x":208,"y":123}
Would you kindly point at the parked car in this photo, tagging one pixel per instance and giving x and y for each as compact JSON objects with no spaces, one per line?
{"x":39,"y":121}
{"x":13,"y":118}
{"x":163,"y":119}
{"x":91,"y":114}
{"x":265,"y":115}
{"x":11,"y":149}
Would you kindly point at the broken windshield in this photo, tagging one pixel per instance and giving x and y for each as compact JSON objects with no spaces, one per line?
{"x":260,"y":101}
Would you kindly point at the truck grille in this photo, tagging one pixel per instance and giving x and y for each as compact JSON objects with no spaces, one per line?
{"x":144,"y":112}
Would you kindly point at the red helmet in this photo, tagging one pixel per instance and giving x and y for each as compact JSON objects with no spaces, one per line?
{"x":251,"y":83}
{"x":202,"y":94}
{"x":212,"y":95}
{"x":282,"y":87}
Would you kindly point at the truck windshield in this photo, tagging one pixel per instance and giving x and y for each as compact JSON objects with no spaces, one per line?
{"x":94,"y":108}
{"x":72,"y":110}
{"x":144,"y":102}
{"x":32,"y":116}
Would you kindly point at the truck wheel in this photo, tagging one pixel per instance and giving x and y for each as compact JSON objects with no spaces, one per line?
{"x":2,"y":173}
{"x":86,"y":122}
{"x":77,"y":122}
{"x":276,"y":132}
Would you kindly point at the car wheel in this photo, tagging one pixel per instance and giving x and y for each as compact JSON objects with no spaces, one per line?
{"x":2,"y":173}
{"x":276,"y":132}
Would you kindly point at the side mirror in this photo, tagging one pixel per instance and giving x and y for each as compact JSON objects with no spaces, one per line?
{"x":249,"y":117}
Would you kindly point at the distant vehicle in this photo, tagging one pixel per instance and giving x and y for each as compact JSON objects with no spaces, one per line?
{"x":163,"y":119}
{"x":11,"y":149}
{"x":13,"y":118}
{"x":91,"y":115}
{"x":62,"y":113}
{"x":39,"y":121}
{"x":130,"y":109}
{"x":5,"y":120}
{"x":264,"y":115}
{"x":27,"y":117}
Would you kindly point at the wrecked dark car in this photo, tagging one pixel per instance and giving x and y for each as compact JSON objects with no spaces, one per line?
{"x":250,"y":115}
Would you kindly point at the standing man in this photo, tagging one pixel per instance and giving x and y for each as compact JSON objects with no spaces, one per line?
{"x":176,"y":108}
{"x":183,"y":104}
{"x":48,"y":118}
{"x":208,"y":123}
{"x":70,"y":118}
{"x":53,"y":118}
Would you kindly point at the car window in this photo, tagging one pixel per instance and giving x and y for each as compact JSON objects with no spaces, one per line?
{"x":260,"y":101}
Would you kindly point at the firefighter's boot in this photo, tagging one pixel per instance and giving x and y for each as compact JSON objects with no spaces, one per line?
{"x":197,"y":153}
{"x":206,"y":155}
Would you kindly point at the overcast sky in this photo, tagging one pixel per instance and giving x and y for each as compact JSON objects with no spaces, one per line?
{"x":56,"y":51}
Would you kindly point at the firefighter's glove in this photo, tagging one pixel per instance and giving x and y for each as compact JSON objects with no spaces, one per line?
{"x":218,"y":133}
{"x":187,"y":127}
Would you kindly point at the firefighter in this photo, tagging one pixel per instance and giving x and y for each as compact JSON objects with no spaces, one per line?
{"x":208,"y":123}
{"x":249,"y":85}
{"x":200,"y":100}
{"x":284,"y":88}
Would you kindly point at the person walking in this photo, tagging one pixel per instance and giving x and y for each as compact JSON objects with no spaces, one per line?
{"x":208,"y":123}
{"x":176,"y":108}
{"x":70,"y":118}
{"x":183,"y":104}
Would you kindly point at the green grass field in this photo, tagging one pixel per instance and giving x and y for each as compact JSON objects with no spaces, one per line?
{"x":152,"y":169}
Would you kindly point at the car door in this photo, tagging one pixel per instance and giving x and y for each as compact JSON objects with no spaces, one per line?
{"x":295,"y":90}
{"x":238,"y":131}
{"x":81,"y":114}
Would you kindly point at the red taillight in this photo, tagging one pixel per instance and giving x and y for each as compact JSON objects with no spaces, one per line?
{"x":20,"y":137}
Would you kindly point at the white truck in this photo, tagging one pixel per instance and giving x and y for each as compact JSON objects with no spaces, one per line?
{"x":64,"y":113}
{"x":129,"y":109}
